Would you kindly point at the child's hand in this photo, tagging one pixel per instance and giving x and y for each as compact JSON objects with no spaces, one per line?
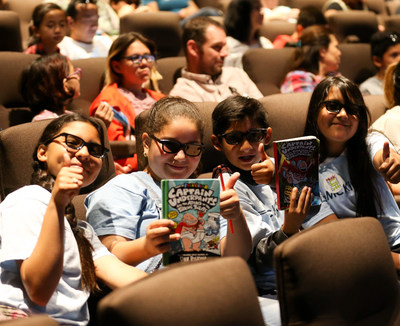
{"x":390,"y":167}
{"x":159,"y":234}
{"x":230,"y":205}
{"x":104,"y":112}
{"x":68,"y":182}
{"x":262,"y":172}
{"x":297,"y":211}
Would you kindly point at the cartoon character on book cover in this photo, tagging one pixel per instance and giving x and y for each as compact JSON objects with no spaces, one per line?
{"x":193,"y":204}
{"x":297,"y":167}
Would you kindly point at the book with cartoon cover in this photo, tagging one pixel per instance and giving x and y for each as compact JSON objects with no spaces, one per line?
{"x":193,"y":204}
{"x":296,"y":165}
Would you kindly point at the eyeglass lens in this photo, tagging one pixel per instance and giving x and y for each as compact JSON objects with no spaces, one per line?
{"x":76,"y":143}
{"x":252,"y":135}
{"x":173,"y":147}
{"x":137,"y":59}
{"x":336,"y":107}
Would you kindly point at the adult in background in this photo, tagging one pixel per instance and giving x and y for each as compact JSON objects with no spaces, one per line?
{"x":205,"y":79}
{"x":316,"y":57}
{"x":243,"y":20}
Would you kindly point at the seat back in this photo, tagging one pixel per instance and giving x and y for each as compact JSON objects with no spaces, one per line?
{"x":170,"y":69}
{"x":268,"y":67}
{"x":17,"y":145}
{"x":392,"y":23}
{"x":339,"y":273}
{"x":272,"y":29}
{"x":10,"y":31}
{"x":303,"y":3}
{"x":162,"y":27}
{"x":35,"y":320}
{"x":354,"y":23}
{"x":216,"y":292}
{"x":355,"y":62}
{"x":24,"y":9}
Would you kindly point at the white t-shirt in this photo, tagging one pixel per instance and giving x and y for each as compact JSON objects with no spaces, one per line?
{"x":21,"y":218}
{"x":79,"y":50}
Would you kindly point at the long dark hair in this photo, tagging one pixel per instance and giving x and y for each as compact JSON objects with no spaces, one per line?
{"x":42,"y":177}
{"x":238,"y":19}
{"x":361,"y":170}
{"x":42,"y":84}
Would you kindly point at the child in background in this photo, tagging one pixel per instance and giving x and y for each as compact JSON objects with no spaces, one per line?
{"x":125,"y":212}
{"x":385,"y":50}
{"x":49,"y":260}
{"x":240,"y":130}
{"x":48,"y":29}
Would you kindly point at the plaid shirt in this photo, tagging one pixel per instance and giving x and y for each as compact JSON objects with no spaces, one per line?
{"x":300,"y":81}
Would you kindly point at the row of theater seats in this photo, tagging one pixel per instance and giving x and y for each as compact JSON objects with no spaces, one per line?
{"x":266,"y":67}
{"x":301,"y":273}
{"x":165,"y":29}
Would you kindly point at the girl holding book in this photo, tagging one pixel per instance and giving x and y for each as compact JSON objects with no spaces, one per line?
{"x":49,"y":260}
{"x":350,"y":186}
{"x":125,"y":212}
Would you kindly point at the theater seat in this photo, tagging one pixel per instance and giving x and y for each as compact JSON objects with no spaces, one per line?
{"x":339,"y":273}
{"x":10,"y":31}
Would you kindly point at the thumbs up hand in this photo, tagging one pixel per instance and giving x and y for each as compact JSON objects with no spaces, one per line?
{"x":68,"y":182}
{"x":262,"y":172}
{"x":390,"y":164}
{"x":229,"y":204}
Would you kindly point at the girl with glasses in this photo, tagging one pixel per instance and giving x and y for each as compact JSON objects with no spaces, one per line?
{"x":50,"y":260}
{"x":349,"y":181}
{"x":125,"y":212}
{"x":240,"y":131}
{"x":50,"y":83}
{"x":129,"y":67}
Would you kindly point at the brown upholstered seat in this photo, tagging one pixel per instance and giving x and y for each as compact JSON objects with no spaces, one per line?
{"x":268,"y":67}
{"x":339,"y":273}
{"x":10,"y":31}
{"x":162,"y":27}
{"x":36,"y":320}
{"x":170,"y":69}
{"x":392,"y":23}
{"x":347,"y":24}
{"x":217,"y":292}
{"x":272,"y":29}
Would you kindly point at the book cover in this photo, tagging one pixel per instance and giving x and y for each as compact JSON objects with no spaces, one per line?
{"x":296,"y":165}
{"x":193,"y":204}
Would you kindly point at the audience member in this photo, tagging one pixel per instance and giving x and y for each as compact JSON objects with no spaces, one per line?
{"x":240,"y":131}
{"x":108,"y":18}
{"x":272,"y":10}
{"x":129,"y":66}
{"x":385,"y":50}
{"x":204,"y":78}
{"x":49,"y":26}
{"x":186,"y":9}
{"x":50,"y":83}
{"x":332,"y":6}
{"x":83,"y":42}
{"x":388,"y":123}
{"x":50,"y":260}
{"x":243,"y":20}
{"x":317,"y":57}
{"x":308,"y":16}
{"x":125,"y":212}
{"x":349,"y":184}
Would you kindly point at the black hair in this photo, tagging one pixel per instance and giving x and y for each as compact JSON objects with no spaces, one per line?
{"x":238,"y":19}
{"x":361,"y":170}
{"x":72,"y":9}
{"x":236,"y":108}
{"x":42,"y":177}
{"x":309,"y":16}
{"x":382,"y":41}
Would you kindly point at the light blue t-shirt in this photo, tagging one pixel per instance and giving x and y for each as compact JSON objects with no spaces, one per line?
{"x":126,"y":205}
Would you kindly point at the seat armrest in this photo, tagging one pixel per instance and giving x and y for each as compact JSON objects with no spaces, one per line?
{"x":123,"y":149}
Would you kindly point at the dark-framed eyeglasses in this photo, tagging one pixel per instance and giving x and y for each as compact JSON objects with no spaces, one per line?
{"x":237,"y":137}
{"x":171,"y":146}
{"x":76,"y":74}
{"x":75,"y":143}
{"x":137,"y":58}
{"x":335,"y":106}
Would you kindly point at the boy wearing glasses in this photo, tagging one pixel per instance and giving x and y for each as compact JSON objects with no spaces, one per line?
{"x":83,"y":42}
{"x":385,"y":50}
{"x":240,"y":130}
